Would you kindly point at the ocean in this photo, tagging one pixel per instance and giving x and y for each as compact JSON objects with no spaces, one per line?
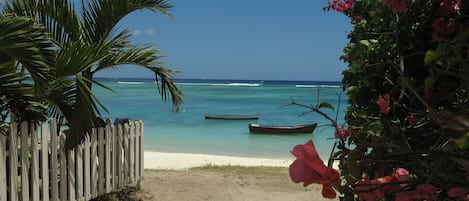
{"x":187,"y":131}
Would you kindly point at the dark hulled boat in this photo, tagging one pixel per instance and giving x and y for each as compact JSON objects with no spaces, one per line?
{"x":232,"y":116}
{"x":272,"y":129}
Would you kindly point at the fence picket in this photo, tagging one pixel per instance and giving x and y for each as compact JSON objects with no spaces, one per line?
{"x":79,"y":172}
{"x":101,"y":189}
{"x":45,"y":161}
{"x":13,"y":144}
{"x":87,"y":172}
{"x":63,"y":168}
{"x":34,"y":179}
{"x":132,"y":153}
{"x":127,"y":154}
{"x":54,"y":146}
{"x":119,"y":158}
{"x":71,"y":175}
{"x":24,"y":161}
{"x":3,"y":169}
{"x":141,"y":149}
{"x":107,"y":153}
{"x":94,"y":163}
{"x":137,"y":151}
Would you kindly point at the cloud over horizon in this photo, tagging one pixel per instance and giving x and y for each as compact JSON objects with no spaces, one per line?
{"x":146,"y":32}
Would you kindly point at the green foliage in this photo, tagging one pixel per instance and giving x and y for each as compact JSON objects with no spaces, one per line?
{"x":26,"y":46}
{"x":420,"y":57}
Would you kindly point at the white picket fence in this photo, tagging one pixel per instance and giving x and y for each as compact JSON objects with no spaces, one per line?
{"x":41,"y":170}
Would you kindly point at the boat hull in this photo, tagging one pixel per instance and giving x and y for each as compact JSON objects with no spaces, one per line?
{"x":232,"y":116}
{"x":270,"y":129}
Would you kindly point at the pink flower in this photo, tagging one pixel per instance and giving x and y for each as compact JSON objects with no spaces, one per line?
{"x":342,"y":133}
{"x":383,"y":103}
{"x":401,"y":174}
{"x":397,"y":6}
{"x":309,"y":168}
{"x":341,"y":5}
{"x":451,"y":7}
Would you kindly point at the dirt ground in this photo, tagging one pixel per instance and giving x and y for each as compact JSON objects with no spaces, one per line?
{"x":198,"y":185}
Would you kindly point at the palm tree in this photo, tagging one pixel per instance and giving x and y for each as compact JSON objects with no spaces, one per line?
{"x":89,"y":42}
{"x":22,"y":45}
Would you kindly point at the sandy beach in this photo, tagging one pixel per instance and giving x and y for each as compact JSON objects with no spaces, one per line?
{"x":168,"y":177}
{"x":181,"y":161}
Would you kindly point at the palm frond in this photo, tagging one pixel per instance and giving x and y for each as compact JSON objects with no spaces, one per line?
{"x":58,"y":16}
{"x":102,"y":16}
{"x":167,"y":87}
{"x":27,"y":43}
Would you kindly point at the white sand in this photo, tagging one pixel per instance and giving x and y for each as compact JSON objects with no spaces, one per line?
{"x":180,"y":161}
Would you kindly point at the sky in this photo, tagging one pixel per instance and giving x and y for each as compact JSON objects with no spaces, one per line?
{"x":243,"y":39}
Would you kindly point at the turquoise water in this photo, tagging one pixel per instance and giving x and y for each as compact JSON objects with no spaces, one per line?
{"x":187,"y":131}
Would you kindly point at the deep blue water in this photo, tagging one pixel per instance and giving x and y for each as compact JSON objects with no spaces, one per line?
{"x":189,"y":132}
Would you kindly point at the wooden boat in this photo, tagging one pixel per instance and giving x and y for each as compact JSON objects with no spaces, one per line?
{"x":232,"y":116}
{"x":271,"y":129}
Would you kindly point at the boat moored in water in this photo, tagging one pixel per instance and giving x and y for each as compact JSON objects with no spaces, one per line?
{"x":272,"y":129}
{"x":232,"y":116}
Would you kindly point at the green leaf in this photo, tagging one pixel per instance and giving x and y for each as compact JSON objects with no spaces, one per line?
{"x":326,"y":105}
{"x":365,"y":42}
{"x":430,"y":56}
{"x":463,"y":142}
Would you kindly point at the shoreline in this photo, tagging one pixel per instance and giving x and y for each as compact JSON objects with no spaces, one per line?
{"x":182,"y":161}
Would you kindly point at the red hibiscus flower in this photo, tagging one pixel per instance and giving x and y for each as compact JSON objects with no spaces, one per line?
{"x":342,"y":133}
{"x":383,"y":103}
{"x":309,"y":168}
{"x":372,"y":190}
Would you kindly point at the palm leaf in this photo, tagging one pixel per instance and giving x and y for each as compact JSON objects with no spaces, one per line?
{"x":27,"y":43}
{"x":101,"y":17}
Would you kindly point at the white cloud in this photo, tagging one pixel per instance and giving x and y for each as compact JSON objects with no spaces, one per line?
{"x":149,"y":32}
{"x":146,"y":32}
{"x":137,"y":33}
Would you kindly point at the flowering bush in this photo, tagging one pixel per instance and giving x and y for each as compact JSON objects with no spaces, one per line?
{"x":407,"y":135}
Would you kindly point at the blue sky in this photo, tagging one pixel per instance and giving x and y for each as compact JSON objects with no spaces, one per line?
{"x":243,"y":39}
